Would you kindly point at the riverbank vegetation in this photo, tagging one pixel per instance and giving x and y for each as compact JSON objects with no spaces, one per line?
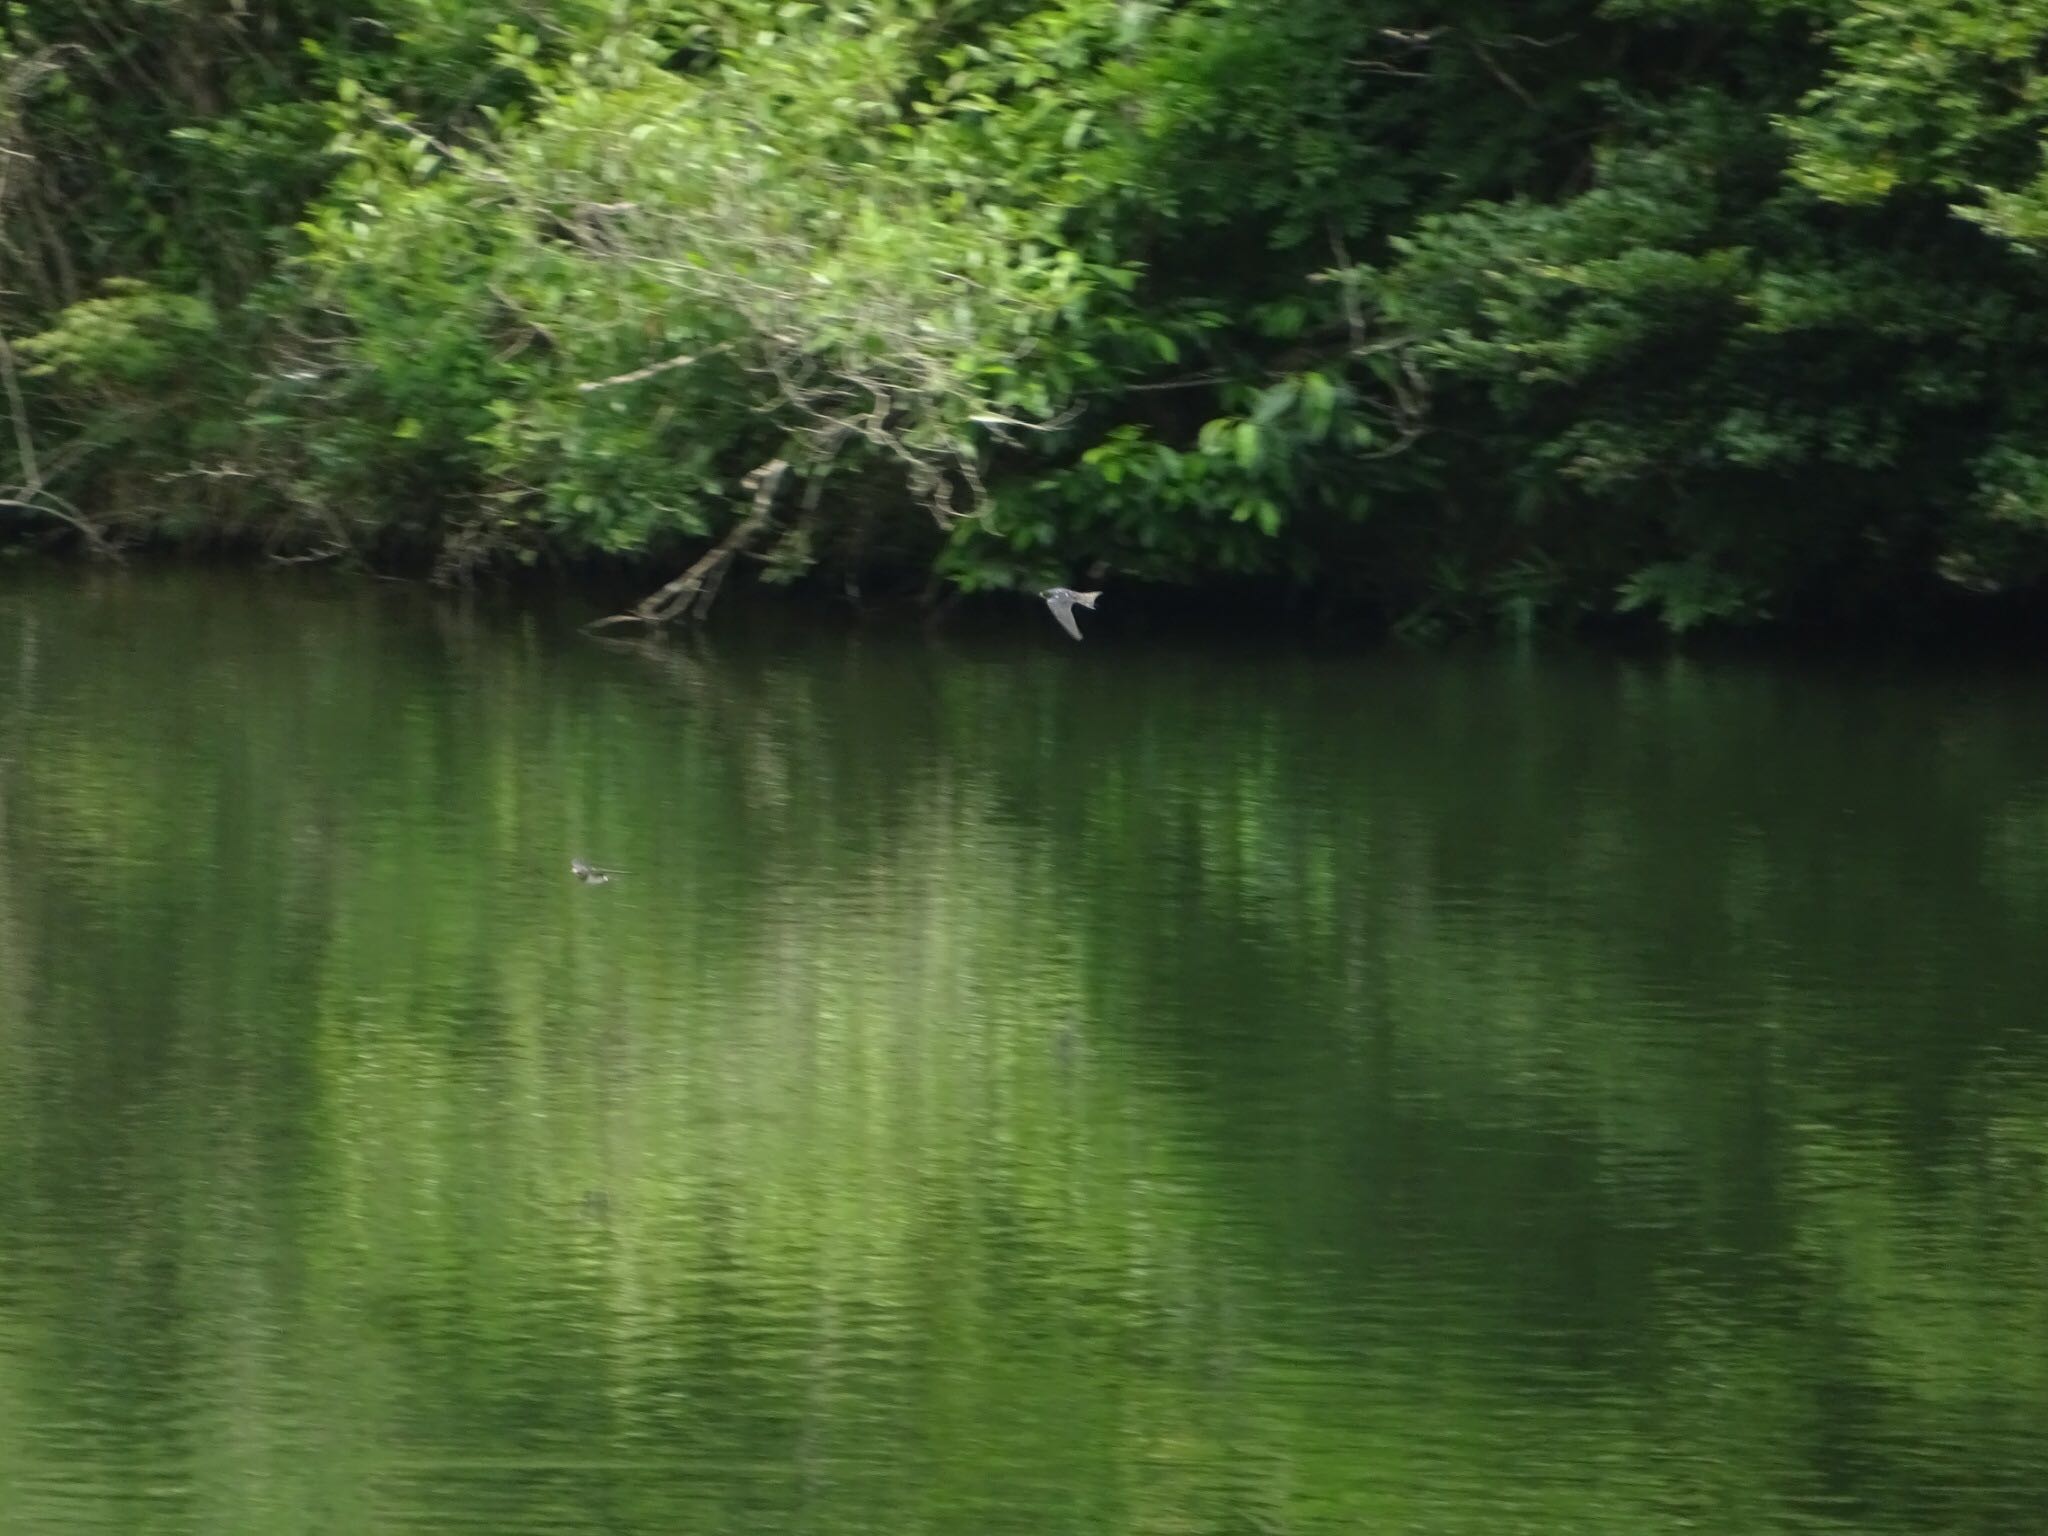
{"x":1490,"y":315}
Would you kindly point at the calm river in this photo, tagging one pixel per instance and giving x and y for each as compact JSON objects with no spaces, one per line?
{"x":1016,"y":1086}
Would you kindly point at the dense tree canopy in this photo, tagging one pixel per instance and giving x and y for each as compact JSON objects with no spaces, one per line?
{"x":1502,"y":313}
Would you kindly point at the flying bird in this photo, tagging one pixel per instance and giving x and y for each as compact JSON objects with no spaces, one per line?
{"x":1061,"y":601}
{"x":590,"y":874}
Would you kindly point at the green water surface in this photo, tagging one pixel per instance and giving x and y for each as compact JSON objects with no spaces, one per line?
{"x":1018,"y":1086}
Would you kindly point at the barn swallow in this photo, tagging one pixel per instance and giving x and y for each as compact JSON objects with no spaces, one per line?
{"x":590,"y":874}
{"x":1061,"y":602}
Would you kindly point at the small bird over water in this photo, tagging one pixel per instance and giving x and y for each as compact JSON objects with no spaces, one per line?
{"x":1061,"y":601}
{"x":590,"y":874}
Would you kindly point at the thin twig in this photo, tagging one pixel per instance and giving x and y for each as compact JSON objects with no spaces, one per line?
{"x":1354,"y":319}
{"x":1481,"y":52}
{"x":638,"y":374}
{"x":1194,"y":381}
{"x":1058,"y":423}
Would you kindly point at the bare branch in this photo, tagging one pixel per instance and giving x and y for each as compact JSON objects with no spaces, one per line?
{"x":990,"y":419}
{"x":639,"y":374}
{"x":692,"y":593}
{"x":1346,"y":278}
{"x":17,"y":413}
{"x":1485,"y":56}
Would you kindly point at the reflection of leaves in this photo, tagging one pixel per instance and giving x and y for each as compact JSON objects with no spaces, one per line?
{"x":1408,"y":997}
{"x":1938,"y":1271}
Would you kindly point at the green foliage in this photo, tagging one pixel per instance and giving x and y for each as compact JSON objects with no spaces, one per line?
{"x":1942,"y":94}
{"x":1709,"y":309}
{"x":133,"y":337}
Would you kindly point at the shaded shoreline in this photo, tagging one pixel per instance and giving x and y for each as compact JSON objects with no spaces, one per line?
{"x":1261,"y":617}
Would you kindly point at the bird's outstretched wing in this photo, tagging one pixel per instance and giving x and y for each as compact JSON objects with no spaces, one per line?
{"x":1063,"y":609}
